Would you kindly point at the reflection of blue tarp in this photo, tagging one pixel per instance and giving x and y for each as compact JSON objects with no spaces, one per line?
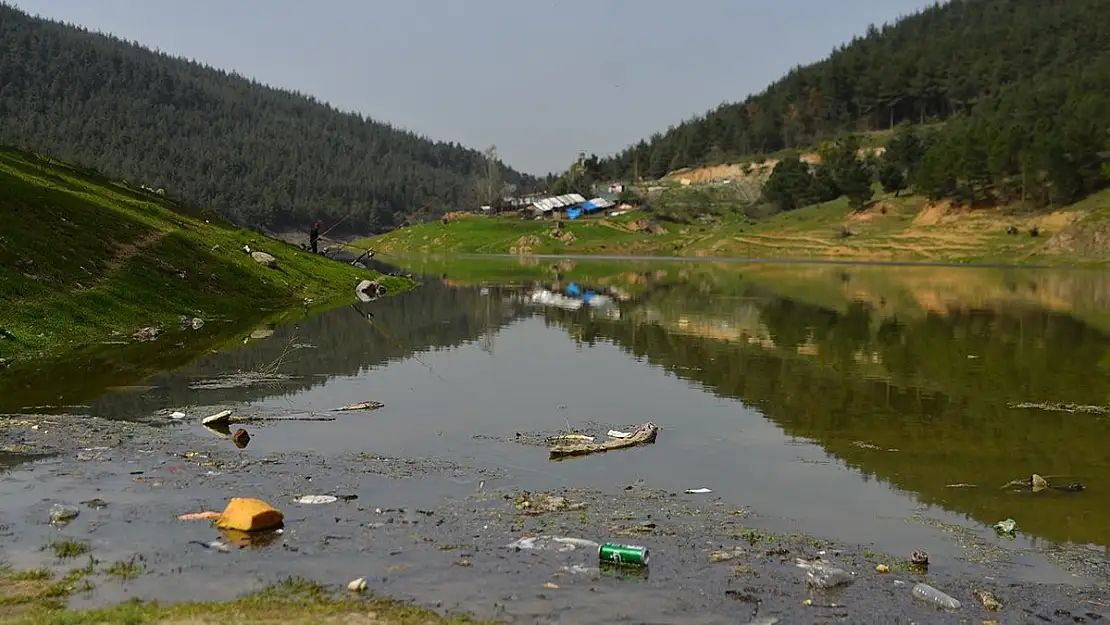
{"x":574,"y":213}
{"x":573,"y":289}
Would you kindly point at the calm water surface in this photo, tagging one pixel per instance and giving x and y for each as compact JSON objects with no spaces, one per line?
{"x":845,"y":400}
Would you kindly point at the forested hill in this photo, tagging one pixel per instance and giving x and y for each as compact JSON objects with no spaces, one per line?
{"x":259,"y":155}
{"x":949,"y":59}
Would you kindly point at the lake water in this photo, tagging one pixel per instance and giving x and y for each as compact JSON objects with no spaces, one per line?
{"x":844,"y":400}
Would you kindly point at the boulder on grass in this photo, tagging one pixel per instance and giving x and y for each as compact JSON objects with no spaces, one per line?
{"x":263,"y":258}
{"x":249,"y":515}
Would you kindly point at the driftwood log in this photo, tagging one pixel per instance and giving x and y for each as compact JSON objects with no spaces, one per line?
{"x":643,"y":435}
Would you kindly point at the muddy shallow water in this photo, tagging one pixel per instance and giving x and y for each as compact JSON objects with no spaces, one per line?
{"x":876,"y":408}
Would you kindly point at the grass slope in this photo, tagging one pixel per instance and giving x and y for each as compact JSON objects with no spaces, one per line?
{"x":83,"y":258}
{"x":35,"y":597}
{"x":906,"y":228}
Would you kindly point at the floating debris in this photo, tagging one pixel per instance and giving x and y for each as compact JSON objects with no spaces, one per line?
{"x":220,"y":418}
{"x":644,"y":435}
{"x":316,"y":499}
{"x":361,"y":406}
{"x":1006,"y":528}
{"x":697,"y":491}
{"x":1054,"y":407}
{"x":619,"y":434}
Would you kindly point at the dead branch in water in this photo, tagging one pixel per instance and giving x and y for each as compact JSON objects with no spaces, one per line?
{"x":644,"y":435}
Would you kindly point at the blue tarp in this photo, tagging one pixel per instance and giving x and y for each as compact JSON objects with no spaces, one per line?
{"x":574,"y":213}
{"x":590,"y":207}
{"x":573,"y":289}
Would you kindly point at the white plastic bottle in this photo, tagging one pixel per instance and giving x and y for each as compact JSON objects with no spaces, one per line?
{"x":931,"y":595}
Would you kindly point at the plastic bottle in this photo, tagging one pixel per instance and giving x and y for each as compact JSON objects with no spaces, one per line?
{"x":927,"y":593}
{"x":825,"y":576}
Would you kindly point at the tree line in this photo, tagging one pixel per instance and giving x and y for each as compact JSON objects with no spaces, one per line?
{"x":258,"y":155}
{"x":1015,"y":91}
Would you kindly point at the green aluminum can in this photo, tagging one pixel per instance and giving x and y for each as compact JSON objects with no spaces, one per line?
{"x":623,"y":554}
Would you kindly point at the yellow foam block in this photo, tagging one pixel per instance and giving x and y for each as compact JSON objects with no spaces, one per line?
{"x":249,"y":515}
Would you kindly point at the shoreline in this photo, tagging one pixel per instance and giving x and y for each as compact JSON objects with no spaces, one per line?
{"x":434,"y":532}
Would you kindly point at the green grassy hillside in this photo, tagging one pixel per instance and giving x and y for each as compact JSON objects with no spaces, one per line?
{"x":85,"y":259}
{"x":905,"y":228}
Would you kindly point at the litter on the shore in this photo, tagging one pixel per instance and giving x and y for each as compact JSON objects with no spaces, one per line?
{"x":249,"y":515}
{"x":989,"y":601}
{"x":936,"y":597}
{"x":552,"y":543}
{"x":619,"y":434}
{"x":357,"y":585}
{"x":644,"y":434}
{"x":199,"y":516}
{"x":697,"y":491}
{"x":177,"y":415}
{"x":1006,"y":527}
{"x":365,"y":405}
{"x":316,"y":499}
{"x":220,"y":418}
{"x":241,"y":438}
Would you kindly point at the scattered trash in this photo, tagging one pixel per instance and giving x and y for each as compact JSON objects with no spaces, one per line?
{"x":919,"y":560}
{"x":931,"y":595}
{"x":616,"y":553}
{"x":220,"y":418}
{"x":316,"y":499}
{"x":552,"y":543}
{"x":146,"y":334}
{"x":989,"y":601}
{"x":1064,"y":407}
{"x":177,"y":415}
{"x":725,"y":556}
{"x":369,"y":290}
{"x":579,"y":569}
{"x":770,"y":620}
{"x":214,"y":545}
{"x":366,"y":405}
{"x":882,"y":568}
{"x":249,"y":515}
{"x":617,"y":434}
{"x":569,"y":438}
{"x":62,"y":514}
{"x":197,"y":323}
{"x":1037,"y":483}
{"x":357,"y":585}
{"x":241,"y":438}
{"x":823,"y":575}
{"x":541,"y":503}
{"x":262,"y":333}
{"x":96,"y":504}
{"x":551,"y":585}
{"x":1006,"y":528}
{"x":644,"y":434}
{"x":697,"y":491}
{"x":199,"y":516}
{"x":961,"y":485}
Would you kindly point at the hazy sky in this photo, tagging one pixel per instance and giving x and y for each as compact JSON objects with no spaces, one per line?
{"x":541,"y":79}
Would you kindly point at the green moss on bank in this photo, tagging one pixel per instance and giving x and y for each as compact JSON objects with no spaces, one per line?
{"x":36,"y":598}
{"x":84,"y":259}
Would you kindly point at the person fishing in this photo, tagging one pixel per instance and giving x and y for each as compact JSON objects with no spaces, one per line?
{"x":314,"y":236}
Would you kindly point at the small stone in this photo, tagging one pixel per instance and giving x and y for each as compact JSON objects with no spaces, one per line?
{"x":61,"y":514}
